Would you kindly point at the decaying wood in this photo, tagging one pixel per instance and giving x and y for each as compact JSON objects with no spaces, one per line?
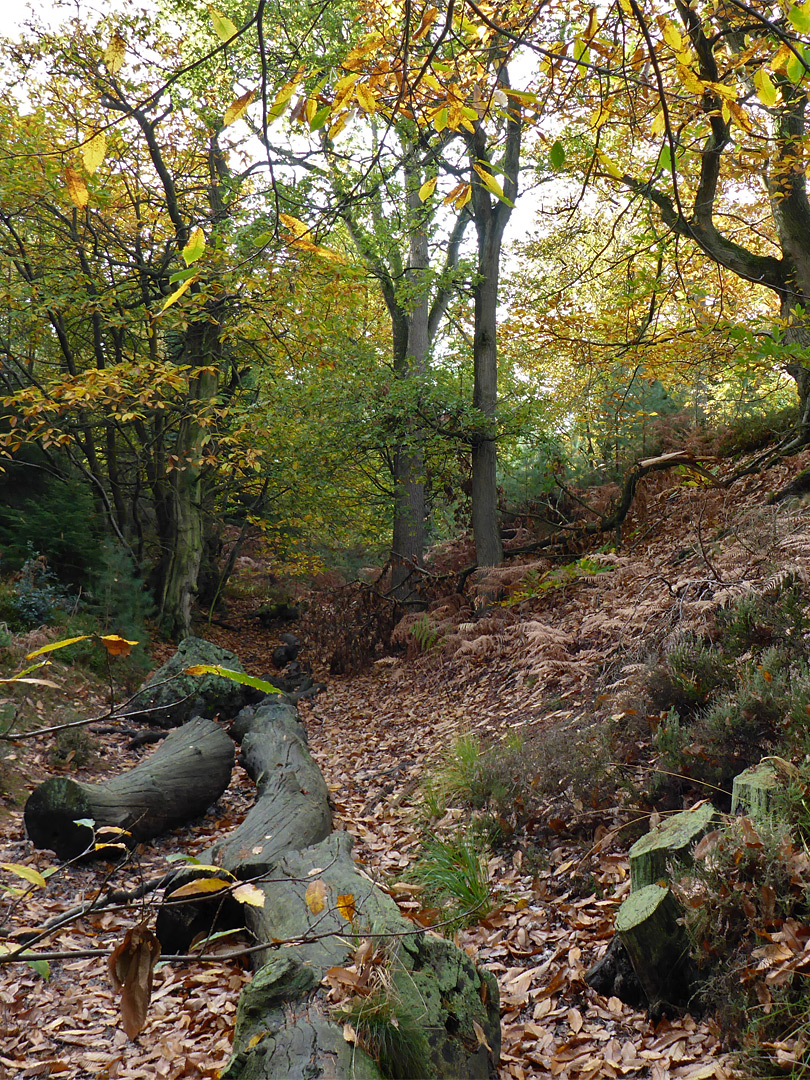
{"x":672,"y":842}
{"x":650,"y":925}
{"x":182,"y":778}
{"x":317,"y":907}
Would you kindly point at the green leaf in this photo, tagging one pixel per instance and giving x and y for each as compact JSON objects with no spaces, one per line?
{"x":41,"y":967}
{"x":86,"y":822}
{"x":320,"y":118}
{"x":234,"y":676}
{"x":223,"y":27}
{"x":665,"y":158}
{"x":195,"y":247}
{"x":795,"y":69}
{"x":799,"y":16}
{"x":557,"y":155}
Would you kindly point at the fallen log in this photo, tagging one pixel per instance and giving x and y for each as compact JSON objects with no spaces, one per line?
{"x":291,"y":811}
{"x":182,"y":778}
{"x":438,"y":1011}
{"x":321,"y":916}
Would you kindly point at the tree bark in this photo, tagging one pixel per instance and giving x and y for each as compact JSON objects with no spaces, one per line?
{"x":185,"y":775}
{"x":490,"y":216}
{"x":318,"y":907}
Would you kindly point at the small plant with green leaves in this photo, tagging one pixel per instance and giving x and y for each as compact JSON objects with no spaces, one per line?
{"x":454,"y":873}
{"x":534,"y":584}
{"x":425,"y":633}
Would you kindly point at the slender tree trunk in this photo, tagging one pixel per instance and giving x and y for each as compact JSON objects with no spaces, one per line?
{"x":491,"y":216}
{"x":486,"y":525}
{"x":408,"y":534}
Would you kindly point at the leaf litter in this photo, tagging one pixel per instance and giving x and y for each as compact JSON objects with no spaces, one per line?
{"x":375,"y":736}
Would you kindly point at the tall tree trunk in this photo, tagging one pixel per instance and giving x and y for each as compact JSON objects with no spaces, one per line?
{"x":491,"y":216}
{"x":408,"y":534}
{"x":184,"y":542}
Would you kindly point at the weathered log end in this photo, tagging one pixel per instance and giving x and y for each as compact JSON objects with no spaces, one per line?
{"x":179,"y":781}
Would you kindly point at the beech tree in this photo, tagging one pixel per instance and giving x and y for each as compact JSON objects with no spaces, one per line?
{"x":116,"y":205}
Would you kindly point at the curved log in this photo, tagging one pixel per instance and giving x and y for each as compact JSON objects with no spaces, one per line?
{"x":291,"y":811}
{"x":319,"y":906}
{"x":182,"y":778}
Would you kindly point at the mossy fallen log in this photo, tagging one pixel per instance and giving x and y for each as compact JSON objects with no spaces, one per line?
{"x":422,"y":999}
{"x":180,"y":780}
{"x":672,"y":841}
{"x":418,"y":994}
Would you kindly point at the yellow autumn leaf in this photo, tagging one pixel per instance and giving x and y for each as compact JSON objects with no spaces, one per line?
{"x":237,"y":109}
{"x":296,"y":227}
{"x":489,"y":181}
{"x":658,"y":124}
{"x":175,"y":296}
{"x":199,"y":887}
{"x":76,"y":188}
{"x":56,"y":645}
{"x":117,"y":645}
{"x":427,"y":189}
{"x":249,"y":894}
{"x":223,"y":27}
{"x":672,"y":37}
{"x":195,"y":247}
{"x":765,"y":87}
{"x":115,"y":53}
{"x":610,"y":166}
{"x":315,"y":896}
{"x":345,"y":905}
{"x":27,"y":873}
{"x":689,"y":80}
{"x":365,"y":98}
{"x":93,"y":152}
{"x":428,"y":19}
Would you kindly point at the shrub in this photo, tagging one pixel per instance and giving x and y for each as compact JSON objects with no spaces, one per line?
{"x":36,"y":594}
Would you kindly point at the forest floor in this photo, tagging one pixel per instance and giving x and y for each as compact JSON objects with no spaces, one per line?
{"x":552,"y":659}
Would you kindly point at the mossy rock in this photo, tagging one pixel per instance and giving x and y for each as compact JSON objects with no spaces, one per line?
{"x":170,"y":697}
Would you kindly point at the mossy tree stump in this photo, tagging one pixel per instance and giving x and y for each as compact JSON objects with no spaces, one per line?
{"x":649,"y":923}
{"x":753,"y":790}
{"x":672,"y":841}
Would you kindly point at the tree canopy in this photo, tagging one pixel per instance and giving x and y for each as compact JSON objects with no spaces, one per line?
{"x":317,"y":271}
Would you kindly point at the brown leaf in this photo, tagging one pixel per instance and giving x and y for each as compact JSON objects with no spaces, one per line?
{"x":131,"y":966}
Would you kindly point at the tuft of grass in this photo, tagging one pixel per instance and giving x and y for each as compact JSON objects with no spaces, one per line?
{"x":389,"y":1033}
{"x":454,"y":873}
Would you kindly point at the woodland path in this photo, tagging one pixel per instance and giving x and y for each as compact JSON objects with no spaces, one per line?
{"x":373,"y":735}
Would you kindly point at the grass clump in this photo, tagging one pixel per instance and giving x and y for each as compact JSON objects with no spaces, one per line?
{"x":454,"y":873}
{"x":389,"y":1033}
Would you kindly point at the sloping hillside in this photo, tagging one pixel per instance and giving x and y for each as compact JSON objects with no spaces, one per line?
{"x":539,"y":660}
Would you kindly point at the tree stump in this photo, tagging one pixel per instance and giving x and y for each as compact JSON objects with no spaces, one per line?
{"x":182,"y":778}
{"x":670,"y":842}
{"x":649,"y":924}
{"x":753,"y":790}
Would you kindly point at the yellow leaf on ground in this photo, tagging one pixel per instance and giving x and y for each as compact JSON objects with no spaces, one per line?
{"x":315,"y":896}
